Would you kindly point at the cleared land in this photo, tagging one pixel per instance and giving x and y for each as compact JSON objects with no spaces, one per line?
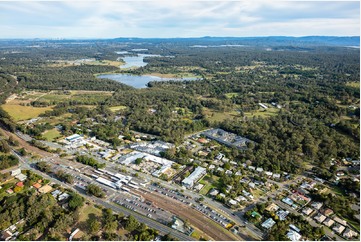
{"x":66,"y":63}
{"x":194,"y":217}
{"x":220,"y":116}
{"x":117,"y":108}
{"x":353,"y":84}
{"x":173,"y":75}
{"x":51,"y":135}
{"x":264,"y":113}
{"x":19,"y":112}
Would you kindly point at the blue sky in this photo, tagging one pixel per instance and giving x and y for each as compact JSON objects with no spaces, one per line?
{"x":177,"y":18}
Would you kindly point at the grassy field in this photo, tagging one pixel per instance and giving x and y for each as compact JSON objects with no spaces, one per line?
{"x":81,"y":96}
{"x":174,"y":75}
{"x":264,"y":113}
{"x":68,"y":63}
{"x":19,"y":112}
{"x":106,"y":63}
{"x":89,"y":97}
{"x":220,"y":116}
{"x":117,"y":108}
{"x":51,"y":135}
{"x":231,"y":94}
{"x":353,"y":84}
{"x":197,"y":234}
{"x":86,"y":210}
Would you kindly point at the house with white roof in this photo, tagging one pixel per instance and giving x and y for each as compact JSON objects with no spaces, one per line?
{"x":328,"y":222}
{"x":268,"y":223}
{"x":293,"y":235}
{"x":307,"y":210}
{"x":319,"y":218}
{"x":316,"y":205}
{"x":349,"y":233}
{"x":338,"y":228}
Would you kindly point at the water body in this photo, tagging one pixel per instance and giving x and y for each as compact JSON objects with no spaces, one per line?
{"x":121,"y":52}
{"x":141,"y":81}
{"x":136,"y":61}
{"x":215,"y":46}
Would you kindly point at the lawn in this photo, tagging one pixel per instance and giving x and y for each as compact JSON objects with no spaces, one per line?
{"x":117,"y":108}
{"x":209,"y":183}
{"x":19,"y":112}
{"x":86,"y":210}
{"x":206,"y":189}
{"x":51,"y":135}
{"x":264,"y":113}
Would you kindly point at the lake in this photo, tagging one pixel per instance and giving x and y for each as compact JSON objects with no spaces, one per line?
{"x":141,"y":81}
{"x":135,"y":61}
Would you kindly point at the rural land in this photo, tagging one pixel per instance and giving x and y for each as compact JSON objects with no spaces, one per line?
{"x":223,"y":139}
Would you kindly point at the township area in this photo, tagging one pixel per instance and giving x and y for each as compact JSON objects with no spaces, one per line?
{"x":239,"y":143}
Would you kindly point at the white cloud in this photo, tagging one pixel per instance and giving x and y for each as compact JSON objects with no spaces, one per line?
{"x":108,"y":19}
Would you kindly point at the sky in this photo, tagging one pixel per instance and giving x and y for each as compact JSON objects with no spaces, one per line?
{"x":177,"y":18}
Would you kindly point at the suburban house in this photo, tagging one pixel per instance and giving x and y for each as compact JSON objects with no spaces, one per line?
{"x":319,"y":218}
{"x":338,"y":228}
{"x":268,"y":223}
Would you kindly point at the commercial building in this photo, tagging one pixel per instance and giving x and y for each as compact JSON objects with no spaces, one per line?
{"x":227,"y":138}
{"x":106,"y":182}
{"x":194,"y":177}
{"x":73,"y":138}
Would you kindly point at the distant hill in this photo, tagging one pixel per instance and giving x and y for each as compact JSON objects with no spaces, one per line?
{"x":258,"y":41}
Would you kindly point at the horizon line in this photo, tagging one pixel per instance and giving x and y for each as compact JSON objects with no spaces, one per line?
{"x":198,"y":37}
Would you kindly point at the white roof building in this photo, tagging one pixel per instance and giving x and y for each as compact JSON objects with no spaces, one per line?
{"x":15,"y":172}
{"x":213,"y":192}
{"x":268,"y":173}
{"x":268,"y":223}
{"x":21,"y":177}
{"x":276,"y":176}
{"x":317,"y":205}
{"x":307,"y":210}
{"x":328,"y":222}
{"x":194,"y":177}
{"x":293,"y":235}
{"x":319,"y":218}
{"x":252,"y":168}
{"x":232,"y":202}
{"x":349,"y":233}
{"x":252,"y":185}
{"x":338,"y":228}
